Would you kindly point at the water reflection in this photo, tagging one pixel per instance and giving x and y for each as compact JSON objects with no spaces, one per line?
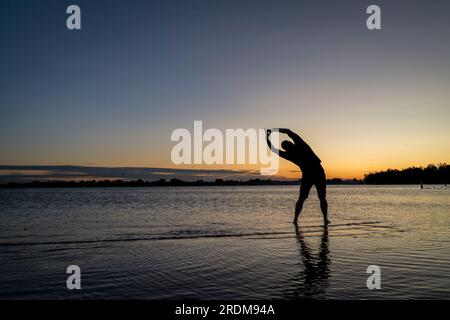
{"x":312,"y":280}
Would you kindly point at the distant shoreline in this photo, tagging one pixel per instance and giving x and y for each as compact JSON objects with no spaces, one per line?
{"x":162,"y":183}
{"x":430,"y":175}
{"x":173,"y":183}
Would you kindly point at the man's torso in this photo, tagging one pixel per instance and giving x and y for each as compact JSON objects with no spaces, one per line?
{"x":304,"y":157}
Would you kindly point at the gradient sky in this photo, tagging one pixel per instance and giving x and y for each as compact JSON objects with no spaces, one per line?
{"x":112,"y":93}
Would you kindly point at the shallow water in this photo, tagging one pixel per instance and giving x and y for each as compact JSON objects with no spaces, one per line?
{"x":224,"y":243}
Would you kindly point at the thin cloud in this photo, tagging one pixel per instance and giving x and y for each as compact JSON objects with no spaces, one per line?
{"x":44,"y":173}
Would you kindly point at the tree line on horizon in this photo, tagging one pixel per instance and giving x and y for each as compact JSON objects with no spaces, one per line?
{"x":431,"y":174}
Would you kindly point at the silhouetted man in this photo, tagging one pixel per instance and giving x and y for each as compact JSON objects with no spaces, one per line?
{"x":312,"y":171}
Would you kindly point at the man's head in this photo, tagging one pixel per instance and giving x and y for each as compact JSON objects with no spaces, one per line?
{"x":287,"y":145}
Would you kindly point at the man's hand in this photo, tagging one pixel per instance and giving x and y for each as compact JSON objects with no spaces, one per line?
{"x":268,"y":132}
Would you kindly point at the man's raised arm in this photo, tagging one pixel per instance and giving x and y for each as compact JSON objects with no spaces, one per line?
{"x":271,"y":147}
{"x":295,"y":137}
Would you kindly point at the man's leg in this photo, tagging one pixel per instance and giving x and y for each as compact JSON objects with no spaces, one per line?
{"x":321,"y":187}
{"x":305,"y":187}
{"x":298,"y":209}
{"x":324,"y":208}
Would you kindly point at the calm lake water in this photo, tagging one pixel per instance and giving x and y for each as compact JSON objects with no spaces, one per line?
{"x":224,"y":243}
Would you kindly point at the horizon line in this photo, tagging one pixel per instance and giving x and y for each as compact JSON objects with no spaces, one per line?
{"x":15,"y":173}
